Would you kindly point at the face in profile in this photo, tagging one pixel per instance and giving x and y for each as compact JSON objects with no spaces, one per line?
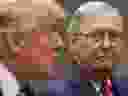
{"x":99,"y":40}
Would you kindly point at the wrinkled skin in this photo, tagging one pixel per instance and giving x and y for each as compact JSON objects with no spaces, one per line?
{"x":98,"y":36}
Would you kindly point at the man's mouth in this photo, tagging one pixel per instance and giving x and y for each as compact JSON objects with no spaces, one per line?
{"x":104,"y":62}
{"x":103,"y":59}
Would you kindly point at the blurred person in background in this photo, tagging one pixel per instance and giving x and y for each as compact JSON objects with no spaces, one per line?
{"x":23,"y":19}
{"x":19,"y":24}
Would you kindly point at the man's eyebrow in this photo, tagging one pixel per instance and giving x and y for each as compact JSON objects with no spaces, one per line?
{"x":108,"y":30}
{"x":115,"y":31}
{"x":99,"y":30}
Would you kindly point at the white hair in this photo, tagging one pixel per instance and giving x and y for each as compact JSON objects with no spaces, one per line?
{"x":97,"y":8}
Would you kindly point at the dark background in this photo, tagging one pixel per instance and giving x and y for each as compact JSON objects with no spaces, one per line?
{"x":71,"y":5}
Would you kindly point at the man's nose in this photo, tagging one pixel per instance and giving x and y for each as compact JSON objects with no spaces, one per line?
{"x":106,"y":41}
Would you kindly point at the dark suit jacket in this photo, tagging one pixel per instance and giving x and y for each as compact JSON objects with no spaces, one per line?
{"x":120,"y":87}
{"x":120,"y":80}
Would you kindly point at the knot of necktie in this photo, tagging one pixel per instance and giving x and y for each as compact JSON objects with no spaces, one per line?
{"x":107,"y":88}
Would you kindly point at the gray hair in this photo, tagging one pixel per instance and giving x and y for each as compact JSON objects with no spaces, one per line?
{"x":96,"y":8}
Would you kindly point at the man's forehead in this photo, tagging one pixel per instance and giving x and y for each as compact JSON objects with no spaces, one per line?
{"x":113,"y":22}
{"x":101,"y":19}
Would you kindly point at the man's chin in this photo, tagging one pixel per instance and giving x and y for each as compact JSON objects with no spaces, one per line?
{"x":101,"y":65}
{"x":103,"y":70}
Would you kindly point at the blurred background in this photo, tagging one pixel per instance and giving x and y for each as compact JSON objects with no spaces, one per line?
{"x":71,"y":5}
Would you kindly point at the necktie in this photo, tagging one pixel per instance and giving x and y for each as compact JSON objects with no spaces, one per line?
{"x":107,"y":88}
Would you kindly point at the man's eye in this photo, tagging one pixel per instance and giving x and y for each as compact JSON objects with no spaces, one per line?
{"x":93,"y":36}
{"x":77,"y":34}
{"x":75,"y":39}
{"x":114,"y":36}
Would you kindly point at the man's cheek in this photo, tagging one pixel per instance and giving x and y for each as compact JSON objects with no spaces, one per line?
{"x":86,"y":52}
{"x":74,"y":49}
{"x":78,"y":47}
{"x":117,"y":51}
